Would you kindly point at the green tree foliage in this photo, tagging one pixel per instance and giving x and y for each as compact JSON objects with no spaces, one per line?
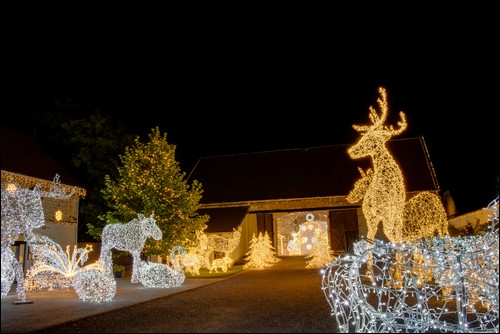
{"x":89,"y":142}
{"x":151,"y":181}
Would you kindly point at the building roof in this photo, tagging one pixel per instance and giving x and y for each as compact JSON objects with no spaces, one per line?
{"x":22,"y":155}
{"x":303,"y":173}
{"x":224,"y":219}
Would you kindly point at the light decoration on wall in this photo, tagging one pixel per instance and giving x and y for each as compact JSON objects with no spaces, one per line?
{"x":22,"y":212}
{"x":382,"y":188}
{"x":129,"y":237}
{"x":58,"y":215}
{"x":461,"y":295}
{"x":261,"y":253}
{"x":159,"y":275}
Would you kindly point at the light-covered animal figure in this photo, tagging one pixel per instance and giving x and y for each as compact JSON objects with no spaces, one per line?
{"x":129,"y":237}
{"x":222,"y":263}
{"x":424,"y":214}
{"x":383,"y":190}
{"x":159,"y":275}
{"x":22,"y":212}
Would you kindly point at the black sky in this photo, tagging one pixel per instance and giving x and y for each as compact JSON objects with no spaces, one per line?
{"x":218,"y":93}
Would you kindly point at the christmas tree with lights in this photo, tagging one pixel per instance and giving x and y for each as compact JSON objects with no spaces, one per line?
{"x":261,"y":253}
{"x":321,"y":253}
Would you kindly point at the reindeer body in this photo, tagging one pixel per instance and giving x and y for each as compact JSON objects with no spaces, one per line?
{"x":383,"y":187}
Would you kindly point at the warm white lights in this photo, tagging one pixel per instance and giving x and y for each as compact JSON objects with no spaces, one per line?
{"x":382,"y":187}
{"x":261,"y":253}
{"x":58,"y":215}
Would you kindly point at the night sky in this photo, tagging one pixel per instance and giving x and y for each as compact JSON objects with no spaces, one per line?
{"x":283,"y":93}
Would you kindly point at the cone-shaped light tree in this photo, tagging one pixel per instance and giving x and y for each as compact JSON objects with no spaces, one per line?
{"x":261,"y":253}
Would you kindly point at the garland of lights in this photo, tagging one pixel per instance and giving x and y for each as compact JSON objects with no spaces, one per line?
{"x":129,"y":237}
{"x":447,"y":284}
{"x":261,"y":253}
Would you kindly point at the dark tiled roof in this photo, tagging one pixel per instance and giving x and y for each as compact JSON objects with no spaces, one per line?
{"x":303,"y":173}
{"x":21,"y":154}
{"x":224,"y":219}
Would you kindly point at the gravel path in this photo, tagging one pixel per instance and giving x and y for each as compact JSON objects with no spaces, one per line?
{"x":286,"y":298}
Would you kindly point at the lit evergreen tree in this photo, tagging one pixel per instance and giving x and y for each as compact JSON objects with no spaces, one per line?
{"x":321,"y":253}
{"x":150,"y":181}
{"x":261,"y":253}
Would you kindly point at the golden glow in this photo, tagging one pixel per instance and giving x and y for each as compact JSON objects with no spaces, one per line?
{"x":11,"y":187}
{"x":58,"y":215}
{"x":261,"y":253}
{"x":382,"y":188}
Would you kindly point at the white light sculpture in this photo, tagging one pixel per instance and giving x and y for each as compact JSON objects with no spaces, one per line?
{"x":223,"y":264}
{"x":129,"y":237}
{"x":158,"y":275}
{"x":54,"y":267}
{"x":261,"y":253}
{"x":459,"y":293}
{"x":22,"y":212}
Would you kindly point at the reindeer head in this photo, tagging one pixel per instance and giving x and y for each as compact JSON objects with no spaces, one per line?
{"x":375,"y":135}
{"x":360,"y":187}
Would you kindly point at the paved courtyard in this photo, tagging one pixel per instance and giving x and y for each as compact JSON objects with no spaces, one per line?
{"x":284,"y":298}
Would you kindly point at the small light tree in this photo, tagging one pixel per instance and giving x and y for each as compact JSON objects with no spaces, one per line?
{"x":261,"y":253}
{"x":150,"y":182}
{"x":321,"y":253}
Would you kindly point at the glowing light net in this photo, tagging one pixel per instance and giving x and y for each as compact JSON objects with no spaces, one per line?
{"x":159,"y":275}
{"x":447,"y":284}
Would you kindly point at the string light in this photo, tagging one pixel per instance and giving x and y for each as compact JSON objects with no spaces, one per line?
{"x":460,"y":294}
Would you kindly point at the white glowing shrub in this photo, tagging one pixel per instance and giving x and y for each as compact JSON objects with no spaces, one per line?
{"x":198,"y":256}
{"x":95,"y":285}
{"x":158,"y":275}
{"x":129,"y":237}
{"x":440,"y":284}
{"x":261,"y":253}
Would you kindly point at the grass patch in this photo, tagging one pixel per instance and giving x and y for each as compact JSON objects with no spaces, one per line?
{"x":205,"y":273}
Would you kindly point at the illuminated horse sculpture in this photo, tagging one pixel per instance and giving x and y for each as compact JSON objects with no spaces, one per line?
{"x":129,"y":237}
{"x":382,"y":188}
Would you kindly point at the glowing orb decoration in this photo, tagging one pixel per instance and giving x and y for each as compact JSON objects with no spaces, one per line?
{"x":95,"y":285}
{"x":58,"y":215}
{"x":447,"y":284}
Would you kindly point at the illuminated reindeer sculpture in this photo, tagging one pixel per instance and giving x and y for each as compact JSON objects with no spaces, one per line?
{"x":382,"y":188}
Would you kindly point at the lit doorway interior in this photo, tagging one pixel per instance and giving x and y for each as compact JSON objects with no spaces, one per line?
{"x":298,"y":231}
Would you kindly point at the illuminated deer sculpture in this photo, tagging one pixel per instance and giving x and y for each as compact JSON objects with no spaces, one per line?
{"x":382,"y":188}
